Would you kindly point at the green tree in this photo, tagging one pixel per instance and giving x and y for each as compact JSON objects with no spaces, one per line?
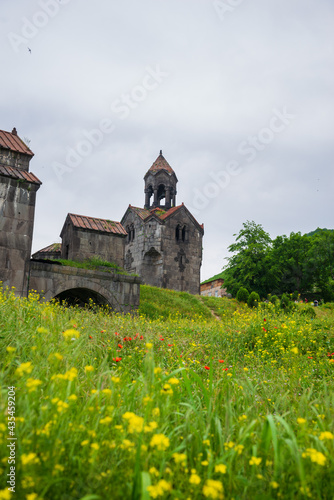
{"x":320,"y":259}
{"x":249,"y":267}
{"x":289,"y":263}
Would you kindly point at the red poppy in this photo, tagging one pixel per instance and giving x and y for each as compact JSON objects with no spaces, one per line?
{"x":116,"y":359}
{"x":220,"y":361}
{"x":207,"y":367}
{"x":225,"y":369}
{"x":170,"y":345}
{"x":120,"y":346}
{"x":141,"y":337}
{"x":310,"y":357}
{"x":162,"y":339}
{"x":90,"y":337}
{"x":264,"y":329}
{"x":116,"y":333}
{"x":264,"y":319}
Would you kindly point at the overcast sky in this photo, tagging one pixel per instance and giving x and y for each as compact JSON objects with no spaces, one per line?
{"x":237,"y":93}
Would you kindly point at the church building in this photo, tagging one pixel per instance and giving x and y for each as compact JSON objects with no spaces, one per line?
{"x":164,"y":240}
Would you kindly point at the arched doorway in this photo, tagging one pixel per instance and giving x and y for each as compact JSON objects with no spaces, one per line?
{"x":81,"y":297}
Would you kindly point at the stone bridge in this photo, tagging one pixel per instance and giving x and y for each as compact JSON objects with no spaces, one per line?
{"x":78,"y":286}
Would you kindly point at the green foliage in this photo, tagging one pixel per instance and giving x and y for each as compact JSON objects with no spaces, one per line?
{"x":296,"y":264}
{"x":93,"y":263}
{"x":248,"y":266}
{"x":163,"y":304}
{"x":253,"y":299}
{"x":273,"y":299}
{"x":242,"y":295}
{"x":245,"y":402}
{"x":285,"y":301}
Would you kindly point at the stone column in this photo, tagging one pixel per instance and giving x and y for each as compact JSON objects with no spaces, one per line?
{"x":155,"y":200}
{"x":167,"y":202}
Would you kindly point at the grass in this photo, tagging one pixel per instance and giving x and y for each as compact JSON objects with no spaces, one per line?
{"x":174,"y":406}
{"x":93,"y":263}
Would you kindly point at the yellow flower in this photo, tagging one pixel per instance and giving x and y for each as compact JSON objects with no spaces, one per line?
{"x":89,"y":368}
{"x":157,"y":369}
{"x":10,"y":349}
{"x":156,"y":412}
{"x":32,"y":384}
{"x":229,"y":445}
{"x":301,"y":420}
{"x":116,"y":380}
{"x":32,"y":496}
{"x":294,"y":350}
{"x":213,"y":489}
{"x":255,"y":461}
{"x":150,"y":427}
{"x":205,"y":463}
{"x":107,"y":392}
{"x":315,"y":456}
{"x":85,"y":442}
{"x":73,"y":397}
{"x":166,"y":389}
{"x":160,"y":441}
{"x":149,"y":345}
{"x":274,"y":485}
{"x":159,"y":489}
{"x":5,"y":494}
{"x":174,"y":381}
{"x":106,"y":420}
{"x":70,"y":334}
{"x":241,"y":418}
{"x":29,"y":458}
{"x":326,"y":435}
{"x":94,"y":446}
{"x":220,"y":468}
{"x":24,"y":368}
{"x":239,"y":448}
{"x":194,"y":479}
{"x":42,"y":330}
{"x":154,"y":472}
{"x":147,"y":399}
{"x":127,"y":444}
{"x":136,"y":423}
{"x":58,"y":356}
{"x":180,"y":458}
{"x":207,"y":442}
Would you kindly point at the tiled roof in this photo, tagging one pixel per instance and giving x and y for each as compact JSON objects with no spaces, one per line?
{"x":94,"y":224}
{"x":161,"y":164}
{"x":10,"y":140}
{"x":54,"y":247}
{"x":16,"y":173}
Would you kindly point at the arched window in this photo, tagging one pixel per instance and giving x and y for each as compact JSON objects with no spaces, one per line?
{"x":184,"y":232}
{"x":161,"y":194}
{"x":177,"y":232}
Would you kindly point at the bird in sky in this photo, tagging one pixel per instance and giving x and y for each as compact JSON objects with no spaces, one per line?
{"x":29,"y":49}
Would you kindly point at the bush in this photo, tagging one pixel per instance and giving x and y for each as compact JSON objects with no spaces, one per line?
{"x":253,"y":300}
{"x":273,"y":299}
{"x":242,"y":295}
{"x":285,"y":301}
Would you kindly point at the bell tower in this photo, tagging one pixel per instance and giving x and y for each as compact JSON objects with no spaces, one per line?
{"x":160,"y":185}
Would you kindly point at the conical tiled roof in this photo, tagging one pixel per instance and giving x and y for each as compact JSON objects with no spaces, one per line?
{"x":161,"y":164}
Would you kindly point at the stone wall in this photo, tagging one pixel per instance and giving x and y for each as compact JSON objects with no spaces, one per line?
{"x":80,"y":244}
{"x":214,"y":289}
{"x":17,"y":210}
{"x":14,"y":159}
{"x":182,"y":259}
{"x":119,"y":291}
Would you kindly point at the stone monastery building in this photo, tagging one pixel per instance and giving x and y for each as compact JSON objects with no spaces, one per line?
{"x":161,"y":242}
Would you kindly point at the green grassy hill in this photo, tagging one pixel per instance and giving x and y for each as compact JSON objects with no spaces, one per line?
{"x":193,"y":397}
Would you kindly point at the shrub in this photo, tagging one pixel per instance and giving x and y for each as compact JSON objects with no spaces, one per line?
{"x":273,"y":299}
{"x":253,"y":299}
{"x":242,"y":295}
{"x":285,"y":301}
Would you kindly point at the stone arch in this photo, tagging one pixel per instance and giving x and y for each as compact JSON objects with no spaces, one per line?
{"x":152,"y":267}
{"x":161,"y":194}
{"x":81,"y":297}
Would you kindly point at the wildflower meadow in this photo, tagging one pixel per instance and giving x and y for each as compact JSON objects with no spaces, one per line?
{"x":217,"y":401}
